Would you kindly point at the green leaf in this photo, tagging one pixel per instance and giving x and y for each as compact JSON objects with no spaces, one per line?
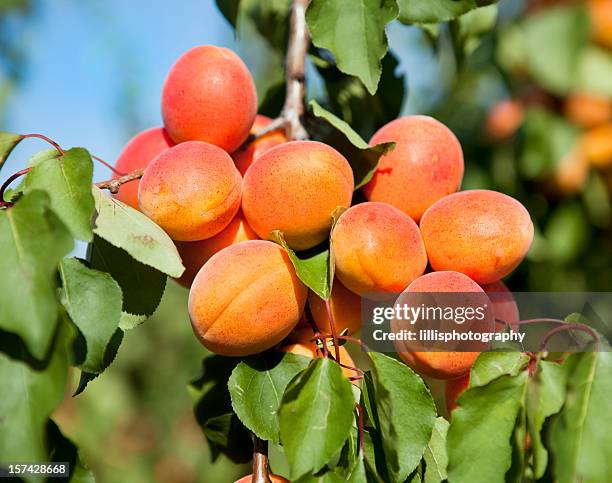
{"x":312,"y":268}
{"x":580,"y":439}
{"x":469,"y":29}
{"x":8,"y":141}
{"x":483,"y":424}
{"x":595,"y":70}
{"x":124,"y":227}
{"x":545,"y":397}
{"x":32,"y":243}
{"x":229,"y":9}
{"x":62,"y":449}
{"x":362,"y":157}
{"x":29,"y":396}
{"x":67,"y":180}
{"x":405,"y":413}
{"x":315,"y":416}
{"x":435,"y":11}
{"x":142,"y":286}
{"x":354,"y":31}
{"x":436,"y":457}
{"x":257,"y":385}
{"x":213,"y":410}
{"x":93,"y":300}
{"x":492,"y":365}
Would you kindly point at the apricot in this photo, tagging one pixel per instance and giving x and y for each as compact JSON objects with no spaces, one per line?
{"x":426,"y":164}
{"x":504,"y":119}
{"x":442,"y":365}
{"x":345,"y":308}
{"x":244,"y":157}
{"x":246,"y":299}
{"x":273,"y":478}
{"x":572,"y":172}
{"x":600,"y":12}
{"x":306,"y":347}
{"x":481,"y":233}
{"x":588,"y":110}
{"x":137,"y":154}
{"x":196,"y":254}
{"x":294,"y":187}
{"x":596,"y":145}
{"x":505,"y":308}
{"x":191,"y":190}
{"x":378,"y":249}
{"x":210,"y":96}
{"x":454,"y":388}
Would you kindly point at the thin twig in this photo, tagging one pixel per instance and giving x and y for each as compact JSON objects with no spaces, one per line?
{"x":332,"y":326}
{"x":113,"y":185}
{"x":261,"y":473}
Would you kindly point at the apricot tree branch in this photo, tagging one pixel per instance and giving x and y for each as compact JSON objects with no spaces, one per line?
{"x":261,"y":473}
{"x":113,"y":185}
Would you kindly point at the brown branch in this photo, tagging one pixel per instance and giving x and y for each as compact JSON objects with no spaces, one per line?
{"x":113,"y":185}
{"x":261,"y":473}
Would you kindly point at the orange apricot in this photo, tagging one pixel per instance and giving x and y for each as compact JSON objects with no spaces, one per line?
{"x":505,"y":308}
{"x":588,"y":110}
{"x":504,"y":119}
{"x":246,"y":299}
{"x":273,"y":478}
{"x":196,"y":254}
{"x":345,"y":308}
{"x":481,"y":233}
{"x":137,"y":154}
{"x":454,"y":388}
{"x":572,"y":172}
{"x":596,"y":145}
{"x":191,"y":190}
{"x":244,"y":157}
{"x":600,"y":12}
{"x":426,"y":164}
{"x":442,"y":365}
{"x":294,"y":187}
{"x":377,"y":249}
{"x":210,"y":96}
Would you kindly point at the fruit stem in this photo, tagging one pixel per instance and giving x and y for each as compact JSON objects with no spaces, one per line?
{"x":113,"y":185}
{"x":261,"y":473}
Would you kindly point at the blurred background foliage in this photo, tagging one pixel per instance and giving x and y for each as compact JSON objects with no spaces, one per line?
{"x":525,"y":85}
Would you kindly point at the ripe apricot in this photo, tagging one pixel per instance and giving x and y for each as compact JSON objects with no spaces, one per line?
{"x":572,"y":172}
{"x":244,"y":157}
{"x":442,"y":365}
{"x":596,"y":145}
{"x":191,"y":190}
{"x":273,"y":478}
{"x":426,"y":164}
{"x":246,"y":299}
{"x":345,"y":308}
{"x":600,"y":12}
{"x":481,"y":233}
{"x":504,"y":119}
{"x":294,"y":187}
{"x":377,"y":249}
{"x":588,"y":110}
{"x":137,"y":154}
{"x":209,"y":95}
{"x":505,"y":308}
{"x":454,"y":388}
{"x":196,"y":254}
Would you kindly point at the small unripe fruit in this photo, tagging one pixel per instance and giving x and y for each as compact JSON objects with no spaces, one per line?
{"x":454,"y":388}
{"x":481,"y":233}
{"x":295,"y":187}
{"x":246,"y":299}
{"x":209,"y":96}
{"x":442,"y":365}
{"x":191,"y":190}
{"x":345,"y":308}
{"x":426,"y":164}
{"x":274,"y":478}
{"x":137,"y":154}
{"x":504,"y":119}
{"x":196,"y":254}
{"x":377,"y":249}
{"x":244,"y":157}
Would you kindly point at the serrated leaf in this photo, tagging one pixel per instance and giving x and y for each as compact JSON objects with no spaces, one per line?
{"x":485,"y":418}
{"x":32,"y":243}
{"x":8,"y":141}
{"x":435,"y":11}
{"x":362,"y":157}
{"x":29,"y":396}
{"x":67,"y":180}
{"x":229,"y":9}
{"x":436,"y":456}
{"x":354,"y":31}
{"x":256,"y":387}
{"x":63,"y":449}
{"x":142,"y":286}
{"x":405,"y":413}
{"x":124,"y":227}
{"x":491,"y":365}
{"x":311,"y":268}
{"x":93,"y":300}
{"x":316,"y":416}
{"x":580,"y":439}
{"x":545,"y":397}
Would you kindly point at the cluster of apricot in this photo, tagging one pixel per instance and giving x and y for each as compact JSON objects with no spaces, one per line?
{"x":221,"y":209}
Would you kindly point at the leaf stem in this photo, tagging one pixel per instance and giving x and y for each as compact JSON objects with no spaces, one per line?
{"x":113,"y":185}
{"x":7,"y":182}
{"x":44,"y":138}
